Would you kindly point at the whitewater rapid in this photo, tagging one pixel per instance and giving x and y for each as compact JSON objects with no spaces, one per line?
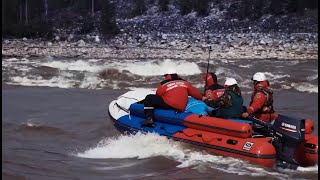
{"x":130,"y":74}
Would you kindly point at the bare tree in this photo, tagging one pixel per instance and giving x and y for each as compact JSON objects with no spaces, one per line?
{"x":26,"y":12}
{"x":46,"y":10}
{"x":20,"y":10}
{"x":92,"y":7}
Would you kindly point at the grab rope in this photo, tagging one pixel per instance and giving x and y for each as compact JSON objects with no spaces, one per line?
{"x":219,"y":139}
{"x":128,"y":98}
{"x":122,"y":108}
{"x":198,"y":135}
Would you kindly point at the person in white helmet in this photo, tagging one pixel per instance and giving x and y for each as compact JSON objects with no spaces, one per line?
{"x":261,"y":105}
{"x":171,"y":93}
{"x":229,"y":105}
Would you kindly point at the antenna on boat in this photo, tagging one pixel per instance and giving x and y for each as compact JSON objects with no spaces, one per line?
{"x":205,"y":87}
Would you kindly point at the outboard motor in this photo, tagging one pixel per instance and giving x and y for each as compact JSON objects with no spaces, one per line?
{"x":289,"y":135}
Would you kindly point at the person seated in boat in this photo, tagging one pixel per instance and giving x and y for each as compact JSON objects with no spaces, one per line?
{"x":172,"y":93}
{"x":213,"y":90}
{"x":261,"y":105}
{"x":229,"y":105}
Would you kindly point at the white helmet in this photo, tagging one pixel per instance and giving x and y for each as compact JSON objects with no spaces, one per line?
{"x":230,"y":81}
{"x":170,"y":70}
{"x":259,"y":76}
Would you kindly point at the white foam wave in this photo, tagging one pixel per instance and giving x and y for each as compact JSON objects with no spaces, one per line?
{"x":291,"y":63}
{"x":227,"y":164}
{"x":245,"y":66}
{"x":154,"y":68}
{"x":219,"y":70}
{"x":247,"y":83}
{"x":308,"y":169}
{"x":135,"y":146}
{"x":10,"y":59}
{"x":313,"y":77}
{"x":225,"y":61}
{"x":17,"y":63}
{"x":198,"y":85}
{"x":94,"y":60}
{"x":271,"y":76}
{"x":283,"y":86}
{"x":32,"y":124}
{"x":151,"y":145}
{"x":227,"y":73}
{"x":78,"y":65}
{"x":91,"y":81}
{"x":60,"y":81}
{"x":21,"y":72}
{"x":305,"y":87}
{"x":23,"y":68}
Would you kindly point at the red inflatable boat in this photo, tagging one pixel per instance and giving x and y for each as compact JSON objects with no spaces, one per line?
{"x":286,"y":143}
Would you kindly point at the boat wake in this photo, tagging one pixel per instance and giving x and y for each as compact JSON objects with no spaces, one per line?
{"x":135,"y":146}
{"x":149,"y":145}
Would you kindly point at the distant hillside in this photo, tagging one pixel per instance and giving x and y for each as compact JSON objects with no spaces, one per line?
{"x":70,"y":18}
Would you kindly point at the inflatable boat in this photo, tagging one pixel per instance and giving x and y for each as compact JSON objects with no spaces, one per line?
{"x":287,"y":142}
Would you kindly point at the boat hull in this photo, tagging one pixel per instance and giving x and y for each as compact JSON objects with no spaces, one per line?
{"x":226,"y":137}
{"x":256,"y":150}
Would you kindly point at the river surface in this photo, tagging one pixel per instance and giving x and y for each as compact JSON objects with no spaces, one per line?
{"x":55,"y":122}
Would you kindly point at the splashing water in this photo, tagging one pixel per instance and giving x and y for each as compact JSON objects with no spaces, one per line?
{"x":135,"y":146}
{"x":153,"y":68}
{"x":151,"y":145}
{"x":117,"y":74}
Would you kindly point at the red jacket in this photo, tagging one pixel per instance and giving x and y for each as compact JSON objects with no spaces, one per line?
{"x":261,"y":105}
{"x":175,"y":93}
{"x":214,"y":91}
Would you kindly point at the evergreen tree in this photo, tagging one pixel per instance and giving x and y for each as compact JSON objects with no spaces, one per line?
{"x":9,"y":12}
{"x":252,"y":9}
{"x":201,"y":6}
{"x":139,"y":9}
{"x":186,"y":6}
{"x":276,"y":7}
{"x":163,"y":5}
{"x":109,"y":25}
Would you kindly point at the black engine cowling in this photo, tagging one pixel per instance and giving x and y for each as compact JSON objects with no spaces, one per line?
{"x":289,"y":134}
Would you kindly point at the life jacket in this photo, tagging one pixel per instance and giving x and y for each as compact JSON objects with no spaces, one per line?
{"x":214,"y":91}
{"x":234,"y":110}
{"x":268,"y":104}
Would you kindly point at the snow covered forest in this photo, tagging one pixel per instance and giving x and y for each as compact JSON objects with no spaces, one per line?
{"x":49,"y":18}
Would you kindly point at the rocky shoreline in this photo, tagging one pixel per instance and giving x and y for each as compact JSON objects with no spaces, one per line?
{"x":174,"y":46}
{"x":158,"y":35}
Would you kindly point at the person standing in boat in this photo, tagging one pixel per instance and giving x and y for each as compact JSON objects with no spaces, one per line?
{"x":213,"y":89}
{"x":261,"y":105}
{"x":172,"y":93}
{"x":228,"y":105}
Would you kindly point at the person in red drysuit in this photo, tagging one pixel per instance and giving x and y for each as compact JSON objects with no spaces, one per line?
{"x":261,"y":105}
{"x":171,"y":93}
{"x":213,"y":89}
